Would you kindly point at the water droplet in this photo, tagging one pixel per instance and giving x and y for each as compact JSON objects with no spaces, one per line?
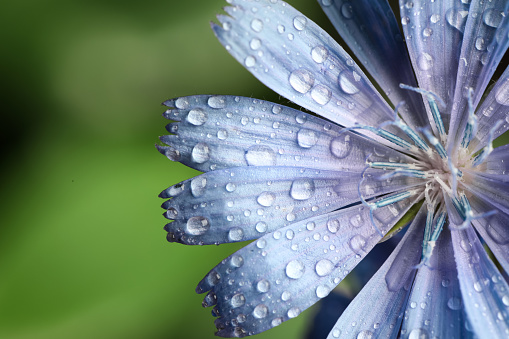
{"x":310,"y":226}
{"x":319,"y":54}
{"x":425,"y":61}
{"x":238,"y":300}
{"x":405,"y":20}
{"x":197,"y":117}
{"x":492,"y":17}
{"x":340,"y":146}
{"x":213,"y":278}
{"x":197,"y":225}
{"x":276,"y":322}
{"x":293,"y":312}
{"x":259,"y":155}
{"x":365,"y":335}
{"x":281,"y":29}
{"x":299,"y":22}
{"x":198,"y":185}
{"x":333,"y":225}
{"x":222,"y":134}
{"x":266,"y":199}
{"x":356,"y":220}
{"x":478,"y":286}
{"x":346,"y":82}
{"x":505,"y":300}
{"x":200,"y":153}
{"x":413,"y":304}
{"x":324,"y":267}
{"x":336,"y":333}
{"x":427,"y":32}
{"x":260,"y":311}
{"x":322,"y":291}
{"x":261,"y":243}
{"x":261,"y":227}
{"x":176,"y":189}
{"x":250,"y":61}
{"x":263,"y":286}
{"x":171,"y":213}
{"x":217,"y":102}
{"x":446,"y":282}
{"x":276,"y":109}
{"x":302,"y":189}
{"x":237,"y":260}
{"x":435,"y":18}
{"x":321,"y":94}
{"x":347,"y":10}
{"x":302,"y":80}
{"x":306,"y":138}
{"x":257,"y":25}
{"x":418,"y":333}
{"x":327,"y":2}
{"x":456,"y":18}
{"x":295,"y":269}
{"x":235,"y":234}
{"x":286,"y":296}
{"x":255,"y":44}
{"x":480,"y":43}
{"x":502,"y":92}
{"x":182,"y":103}
{"x":454,"y":303}
{"x":357,"y":243}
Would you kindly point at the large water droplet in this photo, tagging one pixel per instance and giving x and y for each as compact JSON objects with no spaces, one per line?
{"x":250,"y":61}
{"x":347,"y":10}
{"x":235,"y":234}
{"x":217,"y":101}
{"x":502,"y":92}
{"x":365,"y":335}
{"x":182,"y":103}
{"x":327,"y":2}
{"x":222,"y":134}
{"x":266,"y":199}
{"x":333,"y":225}
{"x":336,"y":332}
{"x":357,"y":243}
{"x":478,"y":286}
{"x":260,"y":311}
{"x":321,"y":94}
{"x":434,"y":18}
{"x":319,"y":54}
{"x":456,"y":18}
{"x":197,"y":117}
{"x":480,"y":43}
{"x":255,"y":44}
{"x":276,"y":322}
{"x":257,"y":25}
{"x":418,"y":333}
{"x":322,"y":291}
{"x":346,"y":82}
{"x":286,"y":296}
{"x":492,"y":17}
{"x":293,"y":312}
{"x":454,"y":303}
{"x":425,"y":61}
{"x":340,"y":146}
{"x":356,"y":220}
{"x":299,"y":22}
{"x":200,"y":153}
{"x":197,"y":225}
{"x":263,"y":286}
{"x":176,"y":189}
{"x":324,"y":267}
{"x":238,"y":300}
{"x":259,"y":155}
{"x":306,"y":138}
{"x":302,"y":80}
{"x":261,"y":227}
{"x":198,"y":185}
{"x":237,"y":260}
{"x":295,"y":269}
{"x":302,"y":189}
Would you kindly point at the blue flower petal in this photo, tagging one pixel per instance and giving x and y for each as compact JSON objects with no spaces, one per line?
{"x":276,"y":277}
{"x":215,"y":132}
{"x":484,"y":44}
{"x":297,"y":59}
{"x":241,"y":204}
{"x":435,"y":306}
{"x":431,"y":28}
{"x":376,"y":312}
{"x":371,"y":31}
{"x":485,"y":292}
{"x":498,"y":161}
{"x":491,"y":190}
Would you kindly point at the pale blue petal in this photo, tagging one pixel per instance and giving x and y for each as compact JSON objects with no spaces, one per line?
{"x":241,"y":204}
{"x":435,"y":306}
{"x":215,"y":132}
{"x":491,"y":190}
{"x":485,"y":292}
{"x":493,"y":230}
{"x":297,"y":59}
{"x":371,"y":31}
{"x":498,"y":161}
{"x":494,"y":108}
{"x":433,"y":32}
{"x":376,"y":312}
{"x":276,"y":277}
{"x":484,"y":44}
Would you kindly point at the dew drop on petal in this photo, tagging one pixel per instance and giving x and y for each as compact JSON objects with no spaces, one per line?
{"x":263,"y":286}
{"x":259,"y":155}
{"x":319,"y":54}
{"x":365,"y":335}
{"x":336,"y":333}
{"x":261,"y":227}
{"x":286,"y":296}
{"x":293,"y":312}
{"x":260,"y":311}
{"x":340,"y":146}
{"x":255,"y":44}
{"x":425,"y":61}
{"x":217,"y":102}
{"x":176,"y":189}
{"x":237,"y":260}
{"x":222,"y":134}
{"x":322,"y":291}
{"x":502,"y":93}
{"x":197,"y":225}
{"x":235,"y":234}
{"x":299,"y":22}
{"x":480,"y":43}
{"x":434,"y":18}
{"x":198,"y":185}
{"x":302,"y":189}
{"x":302,"y":80}
{"x":266,"y":199}
{"x":238,"y":300}
{"x":276,"y":322}
{"x":197,"y":117}
{"x":306,"y":138}
{"x":418,"y":333}
{"x":200,"y":153}
{"x":347,"y":10}
{"x":295,"y":269}
{"x":182,"y":103}
{"x":456,"y":18}
{"x":321,"y":94}
{"x":257,"y":25}
{"x":454,"y":303}
{"x":250,"y":61}
{"x":324,"y":267}
{"x":346,"y":83}
{"x":356,"y":220}
{"x":492,"y":17}
{"x":357,"y":243}
{"x":333,"y":225}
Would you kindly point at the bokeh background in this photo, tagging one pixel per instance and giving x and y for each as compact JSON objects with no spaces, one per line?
{"x":82,"y":247}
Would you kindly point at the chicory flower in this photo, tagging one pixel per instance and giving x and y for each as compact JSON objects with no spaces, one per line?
{"x":318,"y":193}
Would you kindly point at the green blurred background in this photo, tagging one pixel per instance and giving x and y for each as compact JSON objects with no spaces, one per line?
{"x":83,"y":252}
